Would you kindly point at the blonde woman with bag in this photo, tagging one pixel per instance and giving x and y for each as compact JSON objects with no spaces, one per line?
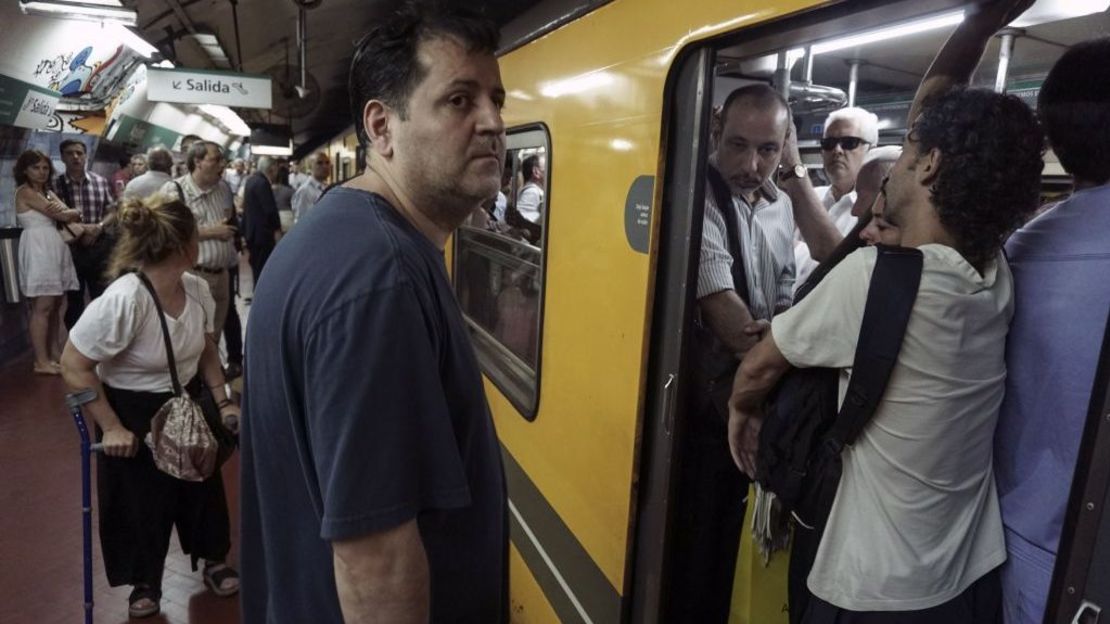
{"x":118,"y":348}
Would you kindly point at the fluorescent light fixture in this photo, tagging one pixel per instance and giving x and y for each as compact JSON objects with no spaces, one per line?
{"x":130,"y":39}
{"x":1044,"y":11}
{"x":892,"y":32}
{"x":229,"y":118}
{"x":270,"y":150}
{"x":621,"y":145}
{"x":577,"y":84}
{"x":212,"y":48}
{"x":96,"y":11}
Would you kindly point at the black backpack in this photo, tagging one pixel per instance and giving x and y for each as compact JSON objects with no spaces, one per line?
{"x":802,"y":436}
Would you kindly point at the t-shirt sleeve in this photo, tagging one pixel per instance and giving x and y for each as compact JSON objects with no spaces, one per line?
{"x":822,"y":329}
{"x":207,"y":302}
{"x":108,"y":325}
{"x":377,"y":422}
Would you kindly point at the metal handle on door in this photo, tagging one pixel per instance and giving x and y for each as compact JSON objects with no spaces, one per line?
{"x":1088,"y":613}
{"x":668,"y":404}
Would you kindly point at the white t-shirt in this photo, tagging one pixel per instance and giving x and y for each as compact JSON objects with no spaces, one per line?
{"x":120,"y":330}
{"x":916,"y":518}
{"x":530,"y":202}
{"x":840,"y":211}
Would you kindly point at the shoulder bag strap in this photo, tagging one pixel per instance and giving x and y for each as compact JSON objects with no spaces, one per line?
{"x":165,"y":333}
{"x":180,"y":193}
{"x":723,"y":197}
{"x":890,"y":299}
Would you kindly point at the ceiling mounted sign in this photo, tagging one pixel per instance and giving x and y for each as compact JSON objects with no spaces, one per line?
{"x":26,"y":105}
{"x":202,"y":86}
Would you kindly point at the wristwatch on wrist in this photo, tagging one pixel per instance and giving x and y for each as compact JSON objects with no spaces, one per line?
{"x":789,"y":173}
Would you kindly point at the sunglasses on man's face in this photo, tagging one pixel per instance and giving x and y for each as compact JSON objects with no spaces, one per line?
{"x":847,"y":143}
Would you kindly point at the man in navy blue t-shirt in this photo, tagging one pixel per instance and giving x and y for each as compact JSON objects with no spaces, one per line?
{"x":372,"y":485}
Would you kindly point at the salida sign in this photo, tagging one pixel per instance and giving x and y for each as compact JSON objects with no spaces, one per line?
{"x":193,"y":86}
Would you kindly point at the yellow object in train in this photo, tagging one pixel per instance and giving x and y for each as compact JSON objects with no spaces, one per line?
{"x":758,"y":591}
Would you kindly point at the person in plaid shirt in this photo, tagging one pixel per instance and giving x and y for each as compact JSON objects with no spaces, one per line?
{"x":91,"y":194}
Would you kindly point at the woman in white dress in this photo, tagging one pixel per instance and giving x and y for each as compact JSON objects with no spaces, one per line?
{"x":45,"y":264}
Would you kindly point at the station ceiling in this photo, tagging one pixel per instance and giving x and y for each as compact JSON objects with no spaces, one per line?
{"x":267,"y":36}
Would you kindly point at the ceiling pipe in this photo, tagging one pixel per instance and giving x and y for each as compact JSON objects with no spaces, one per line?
{"x":302,"y":49}
{"x":238,"y":44}
{"x":853,"y":80}
{"x":1005,"y":53}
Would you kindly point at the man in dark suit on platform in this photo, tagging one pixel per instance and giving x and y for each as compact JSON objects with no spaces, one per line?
{"x":262,"y":227}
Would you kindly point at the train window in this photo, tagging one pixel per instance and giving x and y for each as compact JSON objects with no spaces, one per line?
{"x":499,"y":271}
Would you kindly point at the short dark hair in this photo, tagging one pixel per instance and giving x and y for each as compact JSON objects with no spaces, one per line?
{"x":528,"y":167}
{"x":992,"y":153}
{"x":159,"y":159}
{"x":68,"y":142}
{"x":1074,"y":106}
{"x":760,"y":94}
{"x":198,"y":151}
{"x":385,"y":65}
{"x":25,"y":160}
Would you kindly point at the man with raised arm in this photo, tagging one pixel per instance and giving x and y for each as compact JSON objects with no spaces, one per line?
{"x":914,"y":533}
{"x":372,"y":487}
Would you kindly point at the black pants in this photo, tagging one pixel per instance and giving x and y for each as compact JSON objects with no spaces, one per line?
{"x":233,"y":328}
{"x":981,"y":603}
{"x":139,"y":505}
{"x":258,"y":257}
{"x":709,"y":515}
{"x":90,"y":277}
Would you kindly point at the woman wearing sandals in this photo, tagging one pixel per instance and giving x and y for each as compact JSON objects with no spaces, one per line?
{"x":118,"y":348}
{"x":45,"y":265}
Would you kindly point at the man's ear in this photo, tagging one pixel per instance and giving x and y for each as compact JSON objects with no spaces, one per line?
{"x":928,"y":167}
{"x":377,"y":120}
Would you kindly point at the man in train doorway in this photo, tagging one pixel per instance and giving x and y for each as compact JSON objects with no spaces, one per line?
{"x":914,"y":533}
{"x":372,"y":487}
{"x":711,"y":492}
{"x":1060,"y":261}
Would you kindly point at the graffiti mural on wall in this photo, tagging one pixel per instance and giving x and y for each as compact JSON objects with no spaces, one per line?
{"x":74,"y":75}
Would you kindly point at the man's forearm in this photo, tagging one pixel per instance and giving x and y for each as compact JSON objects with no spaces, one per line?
{"x":757,"y":375}
{"x":383,"y":577}
{"x":727,"y":316}
{"x":813,"y":221}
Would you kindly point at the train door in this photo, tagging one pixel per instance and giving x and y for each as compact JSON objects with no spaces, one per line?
{"x":1081,"y":582}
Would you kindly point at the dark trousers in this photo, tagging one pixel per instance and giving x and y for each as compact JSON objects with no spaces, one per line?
{"x":90,"y":277}
{"x":981,"y":603}
{"x":139,"y":505}
{"x":709,"y":515}
{"x":258,"y":257}
{"x":233,"y":328}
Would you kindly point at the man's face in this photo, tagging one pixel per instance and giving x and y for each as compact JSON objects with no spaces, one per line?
{"x":539,"y":173}
{"x":880,"y":230}
{"x":321,"y":168}
{"x":240,"y":166}
{"x":452,"y":143}
{"x":751,"y":144}
{"x":74,"y":157}
{"x":209,"y":169}
{"x":842,"y":164}
{"x":900,"y":187}
{"x":138,"y":166}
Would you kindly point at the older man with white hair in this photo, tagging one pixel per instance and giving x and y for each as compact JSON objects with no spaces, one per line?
{"x":849,"y":134}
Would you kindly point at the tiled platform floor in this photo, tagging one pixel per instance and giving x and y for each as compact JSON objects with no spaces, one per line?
{"x":40,"y":521}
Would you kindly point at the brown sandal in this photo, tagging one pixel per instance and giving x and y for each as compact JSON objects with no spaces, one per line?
{"x":216,"y":574}
{"x":136,"y":609}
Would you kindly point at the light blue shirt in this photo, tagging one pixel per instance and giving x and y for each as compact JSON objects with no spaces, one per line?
{"x":1060,"y":262}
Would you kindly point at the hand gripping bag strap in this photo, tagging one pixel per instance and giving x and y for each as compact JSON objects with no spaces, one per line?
{"x":177,"y":390}
{"x":723,"y":197}
{"x":890,"y":300}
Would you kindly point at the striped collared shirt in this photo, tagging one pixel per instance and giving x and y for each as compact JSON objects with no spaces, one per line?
{"x":91,"y":195}
{"x":766,"y":242}
{"x":210,"y":207}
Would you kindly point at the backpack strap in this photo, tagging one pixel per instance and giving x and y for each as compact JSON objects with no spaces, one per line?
{"x":723,"y":198}
{"x":165,"y":333}
{"x":890,"y":299}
